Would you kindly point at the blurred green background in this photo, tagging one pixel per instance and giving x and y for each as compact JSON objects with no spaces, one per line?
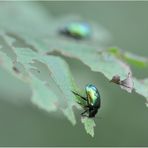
{"x":124,"y":116}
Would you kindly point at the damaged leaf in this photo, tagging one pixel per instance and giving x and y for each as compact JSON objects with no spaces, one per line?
{"x":126,"y":84}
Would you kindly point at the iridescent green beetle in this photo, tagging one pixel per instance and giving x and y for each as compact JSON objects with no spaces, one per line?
{"x":93,"y":101}
{"x":77,"y":30}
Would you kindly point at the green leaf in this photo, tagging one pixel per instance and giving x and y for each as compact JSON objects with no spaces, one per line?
{"x":58,"y":74}
{"x":129,"y":57}
{"x":89,"y":125}
{"x":42,"y":96}
{"x":135,"y":59}
{"x":29,"y":41}
{"x":141,"y":87}
{"x":92,"y":56}
{"x":30,"y":34}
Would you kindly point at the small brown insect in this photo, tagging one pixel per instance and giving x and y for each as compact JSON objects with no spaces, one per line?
{"x":126,"y":84}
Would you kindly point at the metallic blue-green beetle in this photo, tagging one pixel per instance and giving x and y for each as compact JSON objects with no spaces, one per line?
{"x":93,"y":101}
{"x":77,"y":30}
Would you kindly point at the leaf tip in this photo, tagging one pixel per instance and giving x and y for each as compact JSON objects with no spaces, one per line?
{"x":89,"y":125}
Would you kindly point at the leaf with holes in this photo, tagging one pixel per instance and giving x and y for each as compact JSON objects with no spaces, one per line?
{"x":29,"y":40}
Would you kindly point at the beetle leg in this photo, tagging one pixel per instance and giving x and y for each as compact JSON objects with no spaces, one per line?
{"x":84,"y":106}
{"x":79,"y":95}
{"x":84,"y":112}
